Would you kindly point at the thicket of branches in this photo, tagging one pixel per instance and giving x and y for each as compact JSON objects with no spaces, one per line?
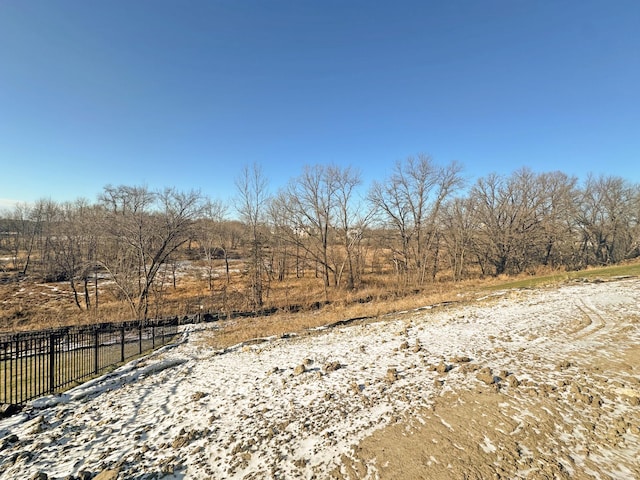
{"x":421,"y":223}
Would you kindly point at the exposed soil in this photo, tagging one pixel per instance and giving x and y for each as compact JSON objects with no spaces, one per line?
{"x":579,"y":420}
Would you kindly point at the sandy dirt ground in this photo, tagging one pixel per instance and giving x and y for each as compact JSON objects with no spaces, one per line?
{"x":576,"y":416}
{"x":523,"y":384}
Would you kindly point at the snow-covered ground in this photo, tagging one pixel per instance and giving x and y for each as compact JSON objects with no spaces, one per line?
{"x":296,"y":407}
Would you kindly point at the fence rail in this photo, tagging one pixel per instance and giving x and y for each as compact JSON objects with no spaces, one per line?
{"x":39,"y":363}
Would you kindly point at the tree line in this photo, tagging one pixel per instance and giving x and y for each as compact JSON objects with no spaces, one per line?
{"x":421,"y":223}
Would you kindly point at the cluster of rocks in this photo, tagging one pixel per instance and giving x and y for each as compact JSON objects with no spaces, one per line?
{"x":489,"y":377}
{"x":415,"y":349}
{"x":303,"y":367}
{"x":108,"y":474}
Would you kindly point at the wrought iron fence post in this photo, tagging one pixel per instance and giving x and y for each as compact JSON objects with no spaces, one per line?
{"x":11,"y":372}
{"x":96,"y":345}
{"x":122,"y":343}
{"x":52,"y":363}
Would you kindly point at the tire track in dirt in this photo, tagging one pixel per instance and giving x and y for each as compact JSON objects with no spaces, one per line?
{"x":595,"y":321}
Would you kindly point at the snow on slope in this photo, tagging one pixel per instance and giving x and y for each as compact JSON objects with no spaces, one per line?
{"x":192,"y":412}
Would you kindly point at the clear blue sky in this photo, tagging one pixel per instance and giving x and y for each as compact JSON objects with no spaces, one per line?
{"x":174,"y":93}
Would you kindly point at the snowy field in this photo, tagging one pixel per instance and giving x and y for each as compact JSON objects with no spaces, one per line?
{"x":298,"y":407}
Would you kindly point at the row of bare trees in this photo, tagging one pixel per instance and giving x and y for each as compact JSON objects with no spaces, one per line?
{"x":421,"y":222}
{"x":128,"y":237}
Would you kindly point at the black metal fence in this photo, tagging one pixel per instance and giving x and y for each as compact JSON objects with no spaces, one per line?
{"x":33,"y":364}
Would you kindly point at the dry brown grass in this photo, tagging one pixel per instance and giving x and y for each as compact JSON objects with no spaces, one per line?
{"x":237,"y":331}
{"x":30,"y":305}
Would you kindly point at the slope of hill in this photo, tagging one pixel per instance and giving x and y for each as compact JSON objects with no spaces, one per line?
{"x":523,"y":383}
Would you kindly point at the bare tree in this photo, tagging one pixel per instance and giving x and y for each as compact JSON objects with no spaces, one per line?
{"x":526,"y":220}
{"x":67,"y":246}
{"x":460,"y":225}
{"x":209,"y":236}
{"x":557,"y":232}
{"x":74,"y":244}
{"x":509,"y":211}
{"x":29,"y":242}
{"x":291,"y":234}
{"x":607,"y":218}
{"x":145,"y":228}
{"x":410,"y":201}
{"x":350,"y":221}
{"x":47,"y":211}
{"x":283,"y":237}
{"x":321,"y":208}
{"x":252,"y":189}
{"x":231,"y":233}
{"x":20,"y":237}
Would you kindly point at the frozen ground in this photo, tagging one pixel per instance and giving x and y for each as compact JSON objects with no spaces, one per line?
{"x":522,"y":384}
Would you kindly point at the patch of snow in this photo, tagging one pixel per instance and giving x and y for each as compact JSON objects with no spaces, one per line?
{"x":487,"y":446}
